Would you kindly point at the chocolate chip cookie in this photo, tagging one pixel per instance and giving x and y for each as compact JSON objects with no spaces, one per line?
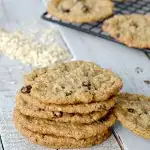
{"x":81,"y":11}
{"x":132,"y":30}
{"x":133,"y":111}
{"x":74,"y":82}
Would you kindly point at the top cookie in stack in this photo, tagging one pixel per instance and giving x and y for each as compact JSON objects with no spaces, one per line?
{"x":71,"y":103}
{"x":73,"y":83}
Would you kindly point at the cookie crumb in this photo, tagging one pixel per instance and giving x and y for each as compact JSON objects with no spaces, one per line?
{"x":85,"y":9}
{"x":147,"y":82}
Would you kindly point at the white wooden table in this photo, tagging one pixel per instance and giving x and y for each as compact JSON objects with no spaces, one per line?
{"x":132,"y":65}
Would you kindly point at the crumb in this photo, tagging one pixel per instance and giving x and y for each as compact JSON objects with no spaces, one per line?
{"x":147,"y":82}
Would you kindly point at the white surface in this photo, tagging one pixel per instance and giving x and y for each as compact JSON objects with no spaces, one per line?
{"x":118,"y":58}
{"x":13,"y":13}
{"x":130,"y":140}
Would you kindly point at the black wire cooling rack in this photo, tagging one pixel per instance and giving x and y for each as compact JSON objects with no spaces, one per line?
{"x":127,"y":7}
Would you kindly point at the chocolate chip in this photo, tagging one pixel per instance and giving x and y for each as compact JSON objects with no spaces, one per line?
{"x":85,"y":8}
{"x":134,"y":24}
{"x":26,"y":89}
{"x":72,"y":114}
{"x":66,"y":10}
{"x":62,"y":87}
{"x":147,"y":81}
{"x":103,"y":119}
{"x":68,"y":93}
{"x":94,"y":88}
{"x":40,"y":109}
{"x":86,"y":84}
{"x":104,"y":107}
{"x":131,"y":110}
{"x":145,"y":112}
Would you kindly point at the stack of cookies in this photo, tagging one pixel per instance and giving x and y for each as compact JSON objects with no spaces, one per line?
{"x":68,"y":105}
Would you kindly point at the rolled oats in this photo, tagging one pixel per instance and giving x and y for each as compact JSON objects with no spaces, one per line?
{"x":40,"y":53}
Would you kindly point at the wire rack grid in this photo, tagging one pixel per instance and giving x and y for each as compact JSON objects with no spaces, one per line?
{"x":126,"y":7}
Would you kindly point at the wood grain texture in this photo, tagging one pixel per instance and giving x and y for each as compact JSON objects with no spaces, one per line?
{"x":12,"y":14}
{"x":133,"y":66}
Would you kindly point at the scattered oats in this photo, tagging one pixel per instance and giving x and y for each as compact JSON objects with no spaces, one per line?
{"x":40,"y":53}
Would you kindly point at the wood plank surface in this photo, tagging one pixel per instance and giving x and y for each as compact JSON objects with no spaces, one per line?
{"x":133,"y":66}
{"x":13,"y":13}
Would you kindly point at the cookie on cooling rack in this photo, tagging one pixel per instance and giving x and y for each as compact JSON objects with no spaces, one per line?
{"x":132,"y":30}
{"x":80,"y":11}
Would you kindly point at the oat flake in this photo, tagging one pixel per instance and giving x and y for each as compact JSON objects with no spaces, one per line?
{"x":36,"y":53}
